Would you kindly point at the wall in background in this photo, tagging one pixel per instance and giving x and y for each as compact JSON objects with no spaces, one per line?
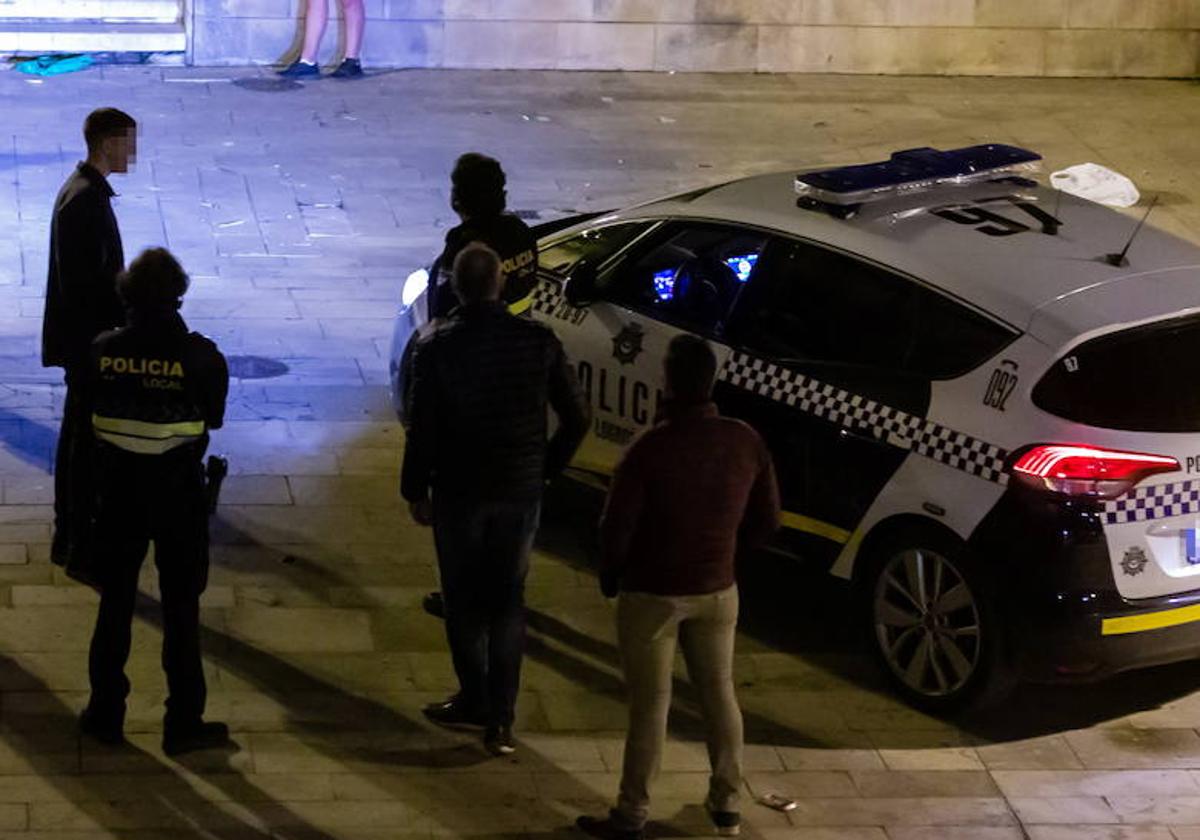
{"x":1151,"y":38}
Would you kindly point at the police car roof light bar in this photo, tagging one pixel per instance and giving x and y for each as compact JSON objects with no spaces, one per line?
{"x":913,"y":170}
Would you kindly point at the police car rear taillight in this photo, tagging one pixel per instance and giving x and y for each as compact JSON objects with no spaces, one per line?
{"x":1077,"y":470}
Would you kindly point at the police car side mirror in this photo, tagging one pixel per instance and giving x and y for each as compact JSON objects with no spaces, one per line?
{"x":580,"y":288}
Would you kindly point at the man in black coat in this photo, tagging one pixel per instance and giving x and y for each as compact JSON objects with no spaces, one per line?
{"x":476,"y":459}
{"x":82,"y":302}
{"x":156,"y":391}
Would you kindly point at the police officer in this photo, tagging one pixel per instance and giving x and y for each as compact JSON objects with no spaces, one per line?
{"x":478,"y":197}
{"x":156,"y":391}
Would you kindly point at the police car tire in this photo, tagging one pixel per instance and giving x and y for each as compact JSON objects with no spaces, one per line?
{"x":968,"y":602}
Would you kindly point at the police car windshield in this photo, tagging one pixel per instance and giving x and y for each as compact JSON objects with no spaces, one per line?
{"x":595,"y":245}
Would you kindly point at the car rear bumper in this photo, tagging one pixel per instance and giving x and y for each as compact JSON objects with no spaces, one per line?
{"x":1066,"y":645}
{"x":1060,"y":612}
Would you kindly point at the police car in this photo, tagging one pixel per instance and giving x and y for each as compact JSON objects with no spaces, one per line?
{"x":981,"y":394}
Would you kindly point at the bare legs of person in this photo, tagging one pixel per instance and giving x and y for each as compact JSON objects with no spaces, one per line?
{"x":316,"y":21}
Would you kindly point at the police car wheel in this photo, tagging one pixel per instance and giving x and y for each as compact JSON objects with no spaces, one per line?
{"x":932,"y":626}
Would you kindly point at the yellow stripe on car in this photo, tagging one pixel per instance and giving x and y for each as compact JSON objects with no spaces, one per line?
{"x":1149,"y":621}
{"x":808,"y":525}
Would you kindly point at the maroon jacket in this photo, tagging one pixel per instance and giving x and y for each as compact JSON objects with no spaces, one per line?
{"x":687,"y":495}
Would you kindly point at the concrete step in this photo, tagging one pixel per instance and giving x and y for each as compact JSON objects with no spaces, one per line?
{"x":40,"y":36}
{"x":140,"y":11}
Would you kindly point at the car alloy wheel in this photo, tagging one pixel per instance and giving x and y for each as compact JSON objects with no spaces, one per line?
{"x":927,"y":623}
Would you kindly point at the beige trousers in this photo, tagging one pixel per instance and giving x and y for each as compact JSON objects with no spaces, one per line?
{"x":647,"y":629}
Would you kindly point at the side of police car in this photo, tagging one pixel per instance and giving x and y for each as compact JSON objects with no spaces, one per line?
{"x":981,"y":411}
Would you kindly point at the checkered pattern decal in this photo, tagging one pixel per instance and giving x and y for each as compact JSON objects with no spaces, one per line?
{"x":1157,"y":502}
{"x":546,"y":296}
{"x":890,"y":425}
{"x":895,"y":427}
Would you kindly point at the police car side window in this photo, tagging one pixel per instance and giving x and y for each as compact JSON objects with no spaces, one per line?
{"x":952,"y":339}
{"x":689,"y":275}
{"x":813,"y":304}
{"x":595,"y":245}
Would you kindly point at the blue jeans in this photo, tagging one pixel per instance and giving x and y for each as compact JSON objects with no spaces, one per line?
{"x":483,"y":558}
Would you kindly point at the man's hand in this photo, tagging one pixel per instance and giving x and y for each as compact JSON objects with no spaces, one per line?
{"x":610,"y":584}
{"x":421,"y":512}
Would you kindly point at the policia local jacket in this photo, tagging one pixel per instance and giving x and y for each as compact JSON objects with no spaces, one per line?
{"x":85,"y":259}
{"x":516,"y":246}
{"x":156,"y":387}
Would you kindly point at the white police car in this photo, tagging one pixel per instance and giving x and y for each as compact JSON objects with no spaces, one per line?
{"x":981,"y":410}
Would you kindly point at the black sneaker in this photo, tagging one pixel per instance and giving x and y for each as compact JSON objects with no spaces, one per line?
{"x":205,"y":735}
{"x":727,"y":823}
{"x":105,"y":732}
{"x":434,"y":605}
{"x":498,"y":740}
{"x":454,"y":712}
{"x":300,"y":70}
{"x":350,"y":68}
{"x":606,"y":829}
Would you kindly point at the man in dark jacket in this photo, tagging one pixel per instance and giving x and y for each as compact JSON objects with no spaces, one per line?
{"x":478,"y":197}
{"x":81,"y":302}
{"x":688,"y":495}
{"x":157,"y":389}
{"x":478,"y":442}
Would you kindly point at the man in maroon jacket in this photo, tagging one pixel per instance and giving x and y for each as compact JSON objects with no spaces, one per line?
{"x":688,"y":495}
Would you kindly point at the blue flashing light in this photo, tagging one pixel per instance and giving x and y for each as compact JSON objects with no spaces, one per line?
{"x":742,"y":266}
{"x":664,"y":284}
{"x":914,"y":170}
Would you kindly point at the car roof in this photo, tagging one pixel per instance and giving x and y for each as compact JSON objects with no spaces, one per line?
{"x":1030,"y":280}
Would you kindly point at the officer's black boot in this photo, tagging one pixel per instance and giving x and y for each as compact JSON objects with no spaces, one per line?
{"x":201,"y":735}
{"x":104,"y":729}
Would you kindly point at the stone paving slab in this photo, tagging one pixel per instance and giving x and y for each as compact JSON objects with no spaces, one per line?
{"x":298,"y":214}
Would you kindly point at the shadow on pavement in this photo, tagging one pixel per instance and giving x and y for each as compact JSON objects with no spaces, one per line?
{"x":27,"y":439}
{"x":355,"y":730}
{"x":162,"y":800}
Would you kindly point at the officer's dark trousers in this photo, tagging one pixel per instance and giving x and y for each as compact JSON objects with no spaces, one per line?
{"x":74,"y":491}
{"x":144,"y":499}
{"x":483,"y":558}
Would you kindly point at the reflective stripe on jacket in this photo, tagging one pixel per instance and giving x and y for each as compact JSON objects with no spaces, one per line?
{"x":156,"y":387}
{"x":146,"y":438}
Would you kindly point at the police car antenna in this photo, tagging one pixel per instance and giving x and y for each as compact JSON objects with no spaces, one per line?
{"x":1119,"y":260}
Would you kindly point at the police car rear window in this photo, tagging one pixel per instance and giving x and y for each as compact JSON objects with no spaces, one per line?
{"x":1139,"y":380}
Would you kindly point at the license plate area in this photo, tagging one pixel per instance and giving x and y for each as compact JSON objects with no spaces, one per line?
{"x":1191,"y":545}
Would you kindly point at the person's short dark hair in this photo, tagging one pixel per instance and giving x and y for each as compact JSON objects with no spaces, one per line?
{"x":478,"y":185}
{"x":154,"y":281}
{"x":691,"y":368}
{"x":477,"y":274}
{"x":104,"y":123}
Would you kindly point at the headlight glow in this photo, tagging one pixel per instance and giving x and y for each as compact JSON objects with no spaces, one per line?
{"x":414,"y":284}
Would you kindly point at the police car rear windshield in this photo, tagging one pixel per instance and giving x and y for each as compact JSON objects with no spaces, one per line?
{"x":1142,"y":379}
